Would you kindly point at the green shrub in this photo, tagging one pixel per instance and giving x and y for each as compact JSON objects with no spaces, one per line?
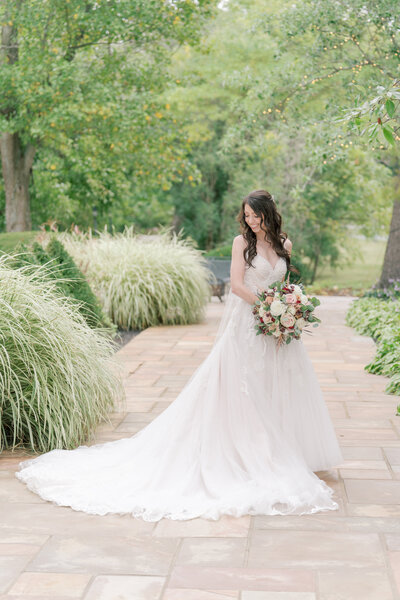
{"x":143,"y":280}
{"x":67,"y":276}
{"x":76,"y":284}
{"x":221,"y":251}
{"x":381,"y":320}
{"x":58,"y":378}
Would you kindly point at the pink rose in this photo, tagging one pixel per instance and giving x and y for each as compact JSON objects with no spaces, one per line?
{"x":269,"y":299}
{"x":287,"y":320}
{"x":291,"y":298}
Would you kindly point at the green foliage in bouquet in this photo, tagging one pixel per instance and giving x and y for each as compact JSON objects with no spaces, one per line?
{"x":380,"y":319}
{"x":58,"y":377}
{"x":68,"y":277}
{"x":144,"y":280}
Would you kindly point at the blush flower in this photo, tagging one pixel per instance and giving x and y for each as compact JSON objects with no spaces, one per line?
{"x":291,"y":298}
{"x":287,"y":320}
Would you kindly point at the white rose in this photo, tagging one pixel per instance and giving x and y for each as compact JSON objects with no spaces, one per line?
{"x":300,"y":323}
{"x":291,"y":310}
{"x":303,"y":299}
{"x":297,"y":290}
{"x":277,"y":308}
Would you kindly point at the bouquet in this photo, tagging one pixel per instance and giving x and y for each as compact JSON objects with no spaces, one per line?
{"x":284,"y":311}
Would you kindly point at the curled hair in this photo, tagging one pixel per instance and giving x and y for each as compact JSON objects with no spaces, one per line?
{"x":263,"y":205}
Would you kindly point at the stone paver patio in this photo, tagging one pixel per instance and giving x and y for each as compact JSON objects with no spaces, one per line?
{"x":49,"y":552}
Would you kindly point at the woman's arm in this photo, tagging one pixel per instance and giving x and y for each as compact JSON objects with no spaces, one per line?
{"x":237,"y":271}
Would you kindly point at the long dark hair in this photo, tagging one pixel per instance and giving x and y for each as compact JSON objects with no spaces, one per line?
{"x":263,"y":205}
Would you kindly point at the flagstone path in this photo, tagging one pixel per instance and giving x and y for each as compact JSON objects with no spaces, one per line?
{"x":48,"y":552}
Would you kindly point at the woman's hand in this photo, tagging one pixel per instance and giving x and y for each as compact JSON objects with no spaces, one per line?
{"x":238,"y":266}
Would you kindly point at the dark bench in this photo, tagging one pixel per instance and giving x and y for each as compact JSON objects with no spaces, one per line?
{"x":220,"y":269}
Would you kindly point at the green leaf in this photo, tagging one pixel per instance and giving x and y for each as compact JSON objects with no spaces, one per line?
{"x":390,"y":108}
{"x":388,"y":135}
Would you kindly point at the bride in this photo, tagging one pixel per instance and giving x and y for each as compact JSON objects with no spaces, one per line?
{"x":245,"y":434}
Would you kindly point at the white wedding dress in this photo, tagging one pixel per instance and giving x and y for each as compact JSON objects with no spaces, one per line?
{"x":243,"y":437}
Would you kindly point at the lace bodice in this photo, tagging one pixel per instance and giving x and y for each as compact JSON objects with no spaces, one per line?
{"x":262,"y":274}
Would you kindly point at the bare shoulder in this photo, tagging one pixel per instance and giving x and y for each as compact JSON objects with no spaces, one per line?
{"x":238,"y":246}
{"x":239,"y":242}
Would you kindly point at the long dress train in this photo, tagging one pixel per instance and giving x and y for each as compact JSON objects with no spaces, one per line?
{"x":243,"y":437}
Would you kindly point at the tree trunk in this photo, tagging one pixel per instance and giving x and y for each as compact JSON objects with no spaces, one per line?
{"x":315,"y":266}
{"x":16,"y":159}
{"x":16,"y":165}
{"x":391,"y":263}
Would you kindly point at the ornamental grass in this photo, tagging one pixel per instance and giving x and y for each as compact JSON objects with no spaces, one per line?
{"x":143,"y":280}
{"x":57,"y":375}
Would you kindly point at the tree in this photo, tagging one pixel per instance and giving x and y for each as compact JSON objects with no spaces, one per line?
{"x":80,"y":81}
{"x":360,"y":39}
{"x":235,"y":101}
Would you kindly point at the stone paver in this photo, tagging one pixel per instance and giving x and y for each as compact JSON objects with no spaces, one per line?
{"x":350,"y":554}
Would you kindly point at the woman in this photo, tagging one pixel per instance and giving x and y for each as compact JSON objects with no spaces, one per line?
{"x":243,"y":437}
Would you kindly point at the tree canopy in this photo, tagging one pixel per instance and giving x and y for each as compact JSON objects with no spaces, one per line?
{"x":81,"y":107}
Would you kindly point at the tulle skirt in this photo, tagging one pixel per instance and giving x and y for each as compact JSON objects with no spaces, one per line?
{"x":244,"y":436}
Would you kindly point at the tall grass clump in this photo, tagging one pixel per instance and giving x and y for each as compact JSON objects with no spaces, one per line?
{"x":143,"y":280}
{"x":57,"y":375}
{"x":380,"y":319}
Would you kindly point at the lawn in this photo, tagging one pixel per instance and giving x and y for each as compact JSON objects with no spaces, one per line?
{"x":359,"y":274}
{"x":8,"y":241}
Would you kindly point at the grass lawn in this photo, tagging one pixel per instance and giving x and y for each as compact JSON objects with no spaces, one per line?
{"x":8,"y":241}
{"x":360,"y":274}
